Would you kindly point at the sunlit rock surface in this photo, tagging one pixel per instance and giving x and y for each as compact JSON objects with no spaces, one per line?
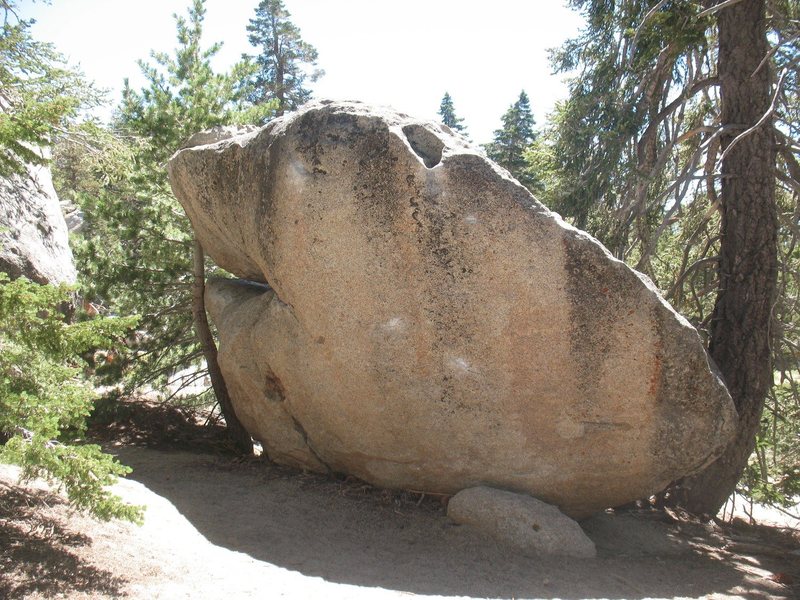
{"x":431,"y":326}
{"x":34,"y":240}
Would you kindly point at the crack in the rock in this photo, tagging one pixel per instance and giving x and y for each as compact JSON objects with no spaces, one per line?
{"x":301,"y":430}
{"x":274,"y":387}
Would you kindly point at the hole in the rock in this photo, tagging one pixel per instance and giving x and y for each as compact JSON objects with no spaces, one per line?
{"x":425,"y":144}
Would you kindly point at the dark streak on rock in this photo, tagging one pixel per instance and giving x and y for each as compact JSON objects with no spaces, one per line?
{"x":594,"y":311}
{"x":301,"y":430}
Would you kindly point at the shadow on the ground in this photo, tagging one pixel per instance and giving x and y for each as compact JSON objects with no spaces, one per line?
{"x":36,"y":551}
{"x":137,"y":421}
{"x":352,"y":534}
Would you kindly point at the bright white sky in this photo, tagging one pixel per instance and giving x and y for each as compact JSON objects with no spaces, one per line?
{"x":404,"y":54}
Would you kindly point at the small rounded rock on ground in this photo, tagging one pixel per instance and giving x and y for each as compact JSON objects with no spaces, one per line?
{"x":521,"y":521}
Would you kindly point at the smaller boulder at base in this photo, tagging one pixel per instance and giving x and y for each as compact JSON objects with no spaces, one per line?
{"x":521,"y":521}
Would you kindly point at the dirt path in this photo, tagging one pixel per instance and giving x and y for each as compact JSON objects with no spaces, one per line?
{"x":217,"y":528}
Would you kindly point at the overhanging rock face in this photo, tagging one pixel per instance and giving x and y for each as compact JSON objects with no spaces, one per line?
{"x":431,"y":326}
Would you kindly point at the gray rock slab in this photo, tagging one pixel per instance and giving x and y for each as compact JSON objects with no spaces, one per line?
{"x":527,"y":524}
{"x":34,"y":240}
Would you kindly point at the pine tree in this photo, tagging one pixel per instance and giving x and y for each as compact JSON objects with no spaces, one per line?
{"x":448,"y":113}
{"x":45,"y":393}
{"x":139,"y":253}
{"x":512,"y":141}
{"x":280,"y":71}
{"x":45,"y":398}
{"x":665,"y":150}
{"x":40,"y":95}
{"x":740,"y":336}
{"x":183,"y":95}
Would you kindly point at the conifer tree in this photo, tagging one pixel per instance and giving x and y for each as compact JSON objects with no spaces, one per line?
{"x":40,"y":96}
{"x":448,"y":113}
{"x":45,"y":399}
{"x":183,"y":94}
{"x":666,"y":150}
{"x":45,"y":394}
{"x":512,"y":141}
{"x":282,"y":66}
{"x":139,"y":252}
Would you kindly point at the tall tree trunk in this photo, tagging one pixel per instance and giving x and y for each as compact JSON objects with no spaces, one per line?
{"x":236,"y":431}
{"x":280,"y":62}
{"x":740,"y":328}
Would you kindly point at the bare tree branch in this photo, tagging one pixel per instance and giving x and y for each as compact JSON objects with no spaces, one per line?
{"x":717,"y":7}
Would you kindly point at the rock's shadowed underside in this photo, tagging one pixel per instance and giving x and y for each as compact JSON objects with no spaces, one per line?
{"x":431,"y":326}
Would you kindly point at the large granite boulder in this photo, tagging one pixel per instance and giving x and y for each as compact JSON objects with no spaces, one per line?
{"x":34,"y":240}
{"x":430,"y":326}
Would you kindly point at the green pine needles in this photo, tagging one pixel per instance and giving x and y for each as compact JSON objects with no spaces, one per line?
{"x":45,"y":398}
{"x":40,"y":96}
{"x":512,"y":141}
{"x":448,"y":113}
{"x":283,"y":64}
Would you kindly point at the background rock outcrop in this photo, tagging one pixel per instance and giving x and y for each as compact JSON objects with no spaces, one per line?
{"x":431,"y":326}
{"x":34,"y":241}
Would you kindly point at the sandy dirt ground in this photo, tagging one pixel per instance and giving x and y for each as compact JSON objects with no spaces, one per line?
{"x":217,"y":527}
